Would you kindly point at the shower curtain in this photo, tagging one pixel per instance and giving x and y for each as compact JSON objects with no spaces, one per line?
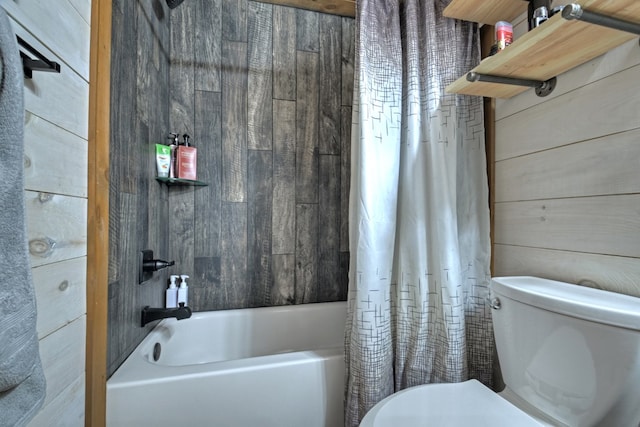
{"x":419,"y":217}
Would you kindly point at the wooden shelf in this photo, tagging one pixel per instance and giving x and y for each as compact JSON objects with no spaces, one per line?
{"x":485,"y":11}
{"x":551,"y":49}
{"x":181,"y":182}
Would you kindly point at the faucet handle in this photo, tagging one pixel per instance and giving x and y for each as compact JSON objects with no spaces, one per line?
{"x":147,"y":265}
{"x":156,"y":264}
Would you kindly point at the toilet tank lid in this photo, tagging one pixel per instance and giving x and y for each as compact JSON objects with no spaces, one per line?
{"x":596,"y":305}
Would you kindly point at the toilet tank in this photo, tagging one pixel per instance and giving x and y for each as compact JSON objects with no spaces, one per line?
{"x":568,"y":351}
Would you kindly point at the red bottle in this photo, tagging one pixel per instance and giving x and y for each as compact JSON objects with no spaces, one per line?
{"x":504,"y":34}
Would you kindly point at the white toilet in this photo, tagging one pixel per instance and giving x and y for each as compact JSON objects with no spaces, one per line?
{"x":570,"y":356}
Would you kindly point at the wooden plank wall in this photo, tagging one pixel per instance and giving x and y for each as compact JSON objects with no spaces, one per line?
{"x":567,"y":177}
{"x":265,"y":93}
{"x":56,"y":196}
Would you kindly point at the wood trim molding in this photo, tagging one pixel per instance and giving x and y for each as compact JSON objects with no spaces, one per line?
{"x":98,"y":214}
{"x":486,"y":40}
{"x":334,"y":7}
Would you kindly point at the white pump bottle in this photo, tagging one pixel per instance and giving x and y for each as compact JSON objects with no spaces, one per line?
{"x":183,"y":290}
{"x":172,"y":293}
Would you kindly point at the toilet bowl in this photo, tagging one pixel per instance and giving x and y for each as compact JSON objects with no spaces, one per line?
{"x":570,"y":356}
{"x":467,"y":403}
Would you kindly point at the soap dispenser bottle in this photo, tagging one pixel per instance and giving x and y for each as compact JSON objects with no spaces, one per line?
{"x":173,"y":146}
{"x":186,"y":160}
{"x":172,"y":293}
{"x":183,"y":290}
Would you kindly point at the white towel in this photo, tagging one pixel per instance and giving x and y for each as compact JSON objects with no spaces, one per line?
{"x":22,"y":382}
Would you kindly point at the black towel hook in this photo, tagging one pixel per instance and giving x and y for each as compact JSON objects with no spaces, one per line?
{"x":40,"y":64}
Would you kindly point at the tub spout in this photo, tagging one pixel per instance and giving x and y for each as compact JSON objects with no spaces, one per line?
{"x":150,"y":314}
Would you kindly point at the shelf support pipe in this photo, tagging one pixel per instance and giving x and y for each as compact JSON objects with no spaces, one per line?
{"x":543,"y":88}
{"x":575,"y":11}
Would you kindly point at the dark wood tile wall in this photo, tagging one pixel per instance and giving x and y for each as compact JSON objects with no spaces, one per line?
{"x":138,"y":204}
{"x":265,"y":92}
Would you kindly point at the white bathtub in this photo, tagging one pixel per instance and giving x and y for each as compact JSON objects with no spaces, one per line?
{"x":261,"y":367}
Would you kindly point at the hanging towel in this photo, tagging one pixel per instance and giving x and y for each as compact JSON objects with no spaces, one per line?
{"x":22,"y":382}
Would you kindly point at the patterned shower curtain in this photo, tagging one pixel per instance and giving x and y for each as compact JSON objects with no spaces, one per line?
{"x":419,"y":217}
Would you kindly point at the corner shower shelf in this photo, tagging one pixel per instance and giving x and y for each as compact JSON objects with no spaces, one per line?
{"x":553,"y":48}
{"x":170,"y":182}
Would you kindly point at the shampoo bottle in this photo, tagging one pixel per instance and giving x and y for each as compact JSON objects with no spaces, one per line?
{"x":183,"y":290}
{"x":186,"y":161}
{"x":174,"y":145}
{"x":163,"y":160}
{"x":172,"y":294}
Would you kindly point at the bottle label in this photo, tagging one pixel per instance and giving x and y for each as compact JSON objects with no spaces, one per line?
{"x":504,"y":34}
{"x":186,"y":163}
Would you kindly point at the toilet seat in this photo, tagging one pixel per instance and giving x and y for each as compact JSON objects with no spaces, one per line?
{"x":467,"y":403}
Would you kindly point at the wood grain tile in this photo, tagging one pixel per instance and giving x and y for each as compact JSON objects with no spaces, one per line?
{"x":260,"y":195}
{"x":208,"y":140}
{"x":284,"y":59}
{"x":260,"y":71}
{"x":234,"y":122}
{"x":284,"y":175}
{"x":307,"y":128}
{"x":329,"y":90}
{"x":208,"y":45}
{"x":306,"y":288}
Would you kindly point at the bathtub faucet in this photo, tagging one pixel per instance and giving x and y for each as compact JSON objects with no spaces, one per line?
{"x":150,"y":314}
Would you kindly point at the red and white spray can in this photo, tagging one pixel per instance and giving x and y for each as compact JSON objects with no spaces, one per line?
{"x":504,"y":34}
